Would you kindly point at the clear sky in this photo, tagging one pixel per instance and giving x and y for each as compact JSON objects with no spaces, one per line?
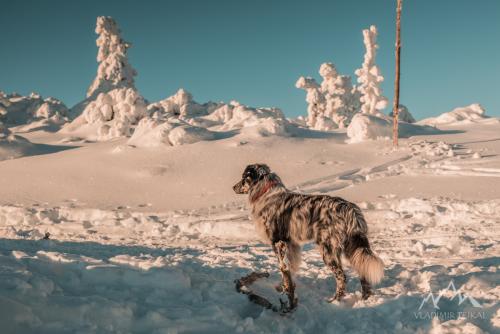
{"x":254,"y":51}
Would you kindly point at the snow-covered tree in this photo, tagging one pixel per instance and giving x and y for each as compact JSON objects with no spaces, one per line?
{"x":340,"y":97}
{"x":114,"y":70}
{"x":333,"y":103}
{"x":369,"y":76}
{"x":314,"y":98}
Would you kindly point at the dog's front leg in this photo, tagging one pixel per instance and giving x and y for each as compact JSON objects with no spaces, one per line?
{"x":288,"y":287}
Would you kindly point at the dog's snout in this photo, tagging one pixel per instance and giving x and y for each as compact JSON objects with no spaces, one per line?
{"x":237,"y":188}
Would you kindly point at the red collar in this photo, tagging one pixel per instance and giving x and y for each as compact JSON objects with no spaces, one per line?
{"x":264,"y":190}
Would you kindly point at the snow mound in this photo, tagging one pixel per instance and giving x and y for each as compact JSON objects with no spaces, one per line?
{"x":12,"y":146}
{"x":181,"y":105}
{"x":20,"y":110}
{"x":365,"y":127}
{"x":404,"y":115}
{"x":463,"y":115}
{"x":110,"y":115}
{"x":238,"y":116}
{"x":114,"y":70}
{"x":221,"y":117}
{"x":151,"y":132}
{"x":369,"y":127}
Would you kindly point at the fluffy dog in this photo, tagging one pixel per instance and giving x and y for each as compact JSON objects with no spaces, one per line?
{"x":336,"y":225}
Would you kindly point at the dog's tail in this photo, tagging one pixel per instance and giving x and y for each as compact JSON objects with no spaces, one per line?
{"x":357,"y":248}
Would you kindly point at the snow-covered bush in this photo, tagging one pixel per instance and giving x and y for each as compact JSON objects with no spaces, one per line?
{"x":242,"y":116}
{"x":18,"y":110}
{"x":181,"y":105}
{"x":365,"y":127}
{"x":472,"y":113}
{"x":115,"y":112}
{"x":221,"y":116}
{"x":369,"y":77}
{"x":153,"y":132}
{"x":114,"y":70}
{"x":404,"y":115}
{"x":368,"y":127}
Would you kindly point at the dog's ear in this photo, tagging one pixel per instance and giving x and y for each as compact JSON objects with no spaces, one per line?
{"x":256,"y":171}
{"x":263,"y":170}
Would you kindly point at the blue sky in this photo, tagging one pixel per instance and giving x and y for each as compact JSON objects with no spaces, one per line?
{"x":254,"y":51}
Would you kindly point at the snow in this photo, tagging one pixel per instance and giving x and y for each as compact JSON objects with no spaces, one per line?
{"x":152,"y":132}
{"x":370,"y":127}
{"x":11,"y":145}
{"x":32,"y":111}
{"x":332,"y":104}
{"x":181,"y":104}
{"x":114,"y":70}
{"x":186,"y":121}
{"x":151,"y":240}
{"x":125,"y":220}
{"x":472,"y":113}
{"x":370,"y":77}
{"x":110,"y":115}
{"x":404,"y":115}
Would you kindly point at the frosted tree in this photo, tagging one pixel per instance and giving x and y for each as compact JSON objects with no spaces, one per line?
{"x":339,"y":95}
{"x":314,"y":98}
{"x":369,"y":77}
{"x":332,"y":104}
{"x":114,"y":70}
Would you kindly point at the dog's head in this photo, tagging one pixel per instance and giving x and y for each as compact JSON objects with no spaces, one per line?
{"x":251,"y":176}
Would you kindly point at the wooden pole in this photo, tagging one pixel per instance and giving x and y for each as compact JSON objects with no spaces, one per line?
{"x":395,"y":106}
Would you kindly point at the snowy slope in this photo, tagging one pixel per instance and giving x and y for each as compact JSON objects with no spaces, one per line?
{"x":150,"y":240}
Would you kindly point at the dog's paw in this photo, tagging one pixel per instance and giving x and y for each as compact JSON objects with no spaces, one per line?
{"x":366,"y":295}
{"x":336,"y":299}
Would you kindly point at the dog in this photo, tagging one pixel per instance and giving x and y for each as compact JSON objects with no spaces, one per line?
{"x":337,"y":226}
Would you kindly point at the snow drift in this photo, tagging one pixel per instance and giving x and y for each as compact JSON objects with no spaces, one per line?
{"x":469,"y":114}
{"x":181,"y":105}
{"x":179,"y":120}
{"x":12,"y":146}
{"x":21,"y":110}
{"x":154,"y":132}
{"x":369,"y":127}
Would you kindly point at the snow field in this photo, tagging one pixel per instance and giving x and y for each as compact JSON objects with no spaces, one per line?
{"x":119,"y":271}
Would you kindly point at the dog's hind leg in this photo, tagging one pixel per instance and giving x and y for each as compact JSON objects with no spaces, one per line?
{"x":366,"y":289}
{"x":331,"y":257}
{"x":282,"y":251}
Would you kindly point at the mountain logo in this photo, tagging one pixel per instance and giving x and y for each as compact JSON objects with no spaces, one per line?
{"x":456,"y":293}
